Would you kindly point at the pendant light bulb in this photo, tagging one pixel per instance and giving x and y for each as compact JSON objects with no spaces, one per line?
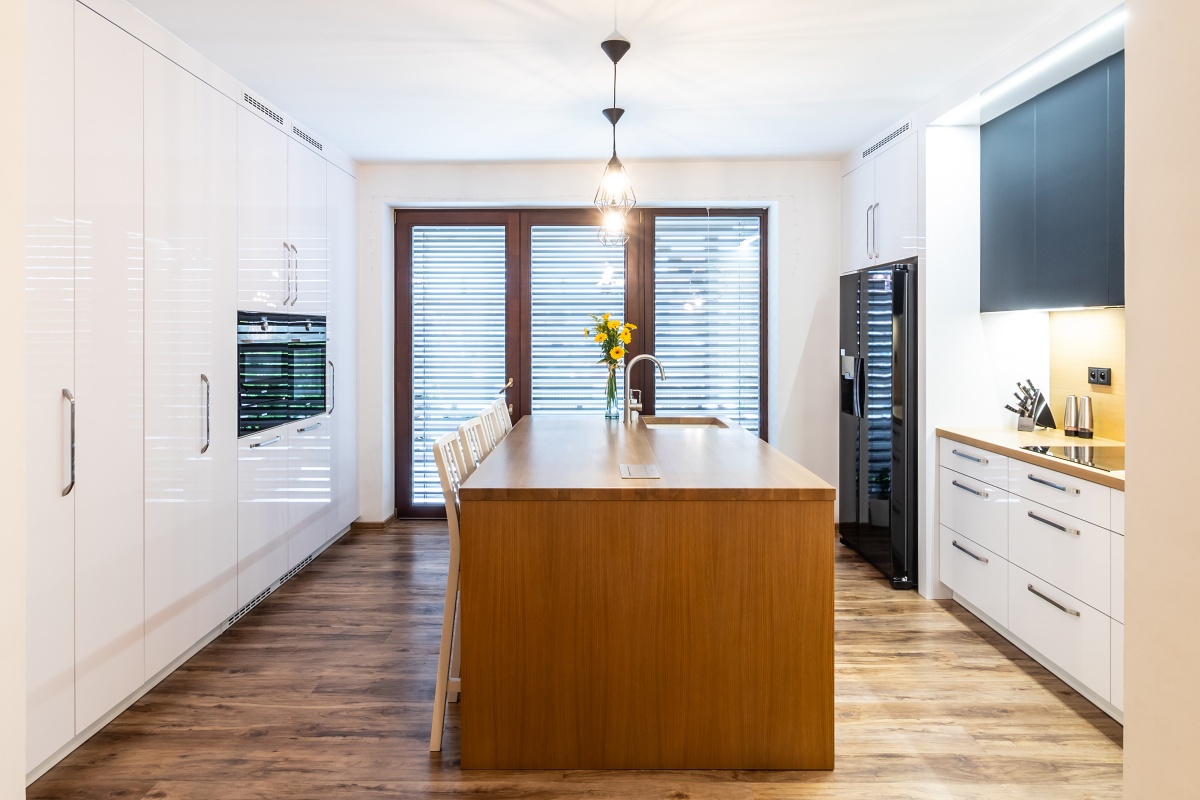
{"x":612,"y":229}
{"x":615,"y":193}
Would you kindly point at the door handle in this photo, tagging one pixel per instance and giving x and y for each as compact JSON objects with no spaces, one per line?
{"x":970,"y":457}
{"x":312,"y":427}
{"x":287,"y":273}
{"x":869,"y":208}
{"x":207,"y":413}
{"x":71,"y":398}
{"x":1053,"y":524}
{"x":980,"y":559}
{"x":296,"y":259}
{"x":266,"y":442}
{"x":332,"y":388}
{"x":875,"y":230}
{"x":975,"y":492}
{"x":1052,"y":602}
{"x":1059,"y":487}
{"x":505,"y":387}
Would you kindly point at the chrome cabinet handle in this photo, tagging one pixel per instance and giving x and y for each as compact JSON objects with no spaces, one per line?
{"x":1044,"y":482}
{"x":287,"y":257}
{"x":975,"y":492}
{"x":71,"y":398}
{"x":869,"y":207}
{"x":1053,"y":602}
{"x":980,"y":559}
{"x":309,"y":428}
{"x":296,"y":259}
{"x":332,"y":387}
{"x":875,"y":230}
{"x":1052,"y":524}
{"x":266,"y":442}
{"x":207,"y":413}
{"x":969,"y":457}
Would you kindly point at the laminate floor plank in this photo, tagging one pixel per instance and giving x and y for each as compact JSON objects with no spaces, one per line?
{"x":324,"y":692}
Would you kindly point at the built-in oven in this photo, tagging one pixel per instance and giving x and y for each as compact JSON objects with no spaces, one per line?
{"x":281,"y":369}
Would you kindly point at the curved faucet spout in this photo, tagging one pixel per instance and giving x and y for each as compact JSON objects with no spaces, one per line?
{"x":629,"y":405}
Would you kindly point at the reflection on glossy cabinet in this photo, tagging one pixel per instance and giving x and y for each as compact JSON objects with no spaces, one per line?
{"x":264,"y":259}
{"x":895,"y":219}
{"x":191,"y":287}
{"x":343,"y":348}
{"x":262,"y":517}
{"x":50,"y":375}
{"x":109,"y":609}
{"x":307,"y":236}
{"x":858,"y":206}
{"x":308,"y":487}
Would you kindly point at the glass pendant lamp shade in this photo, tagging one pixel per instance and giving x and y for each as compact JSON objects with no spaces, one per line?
{"x":615,"y":192}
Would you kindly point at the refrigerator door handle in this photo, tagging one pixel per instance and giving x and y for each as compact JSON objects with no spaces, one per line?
{"x":860,"y":388}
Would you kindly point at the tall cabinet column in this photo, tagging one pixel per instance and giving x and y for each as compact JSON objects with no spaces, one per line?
{"x":109,"y":610}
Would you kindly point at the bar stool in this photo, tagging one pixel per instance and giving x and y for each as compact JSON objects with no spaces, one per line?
{"x":451,"y":471}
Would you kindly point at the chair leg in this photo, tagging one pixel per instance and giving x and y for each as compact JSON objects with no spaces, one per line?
{"x":455,"y":653}
{"x":443,"y":673}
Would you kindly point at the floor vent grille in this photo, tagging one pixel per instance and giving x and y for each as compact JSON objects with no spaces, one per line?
{"x":307,"y":138}
{"x":291,"y":573}
{"x":246,"y":609}
{"x":885,"y":140}
{"x":254,"y":102}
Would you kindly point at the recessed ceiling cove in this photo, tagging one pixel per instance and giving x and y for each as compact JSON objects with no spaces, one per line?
{"x":520,"y":80}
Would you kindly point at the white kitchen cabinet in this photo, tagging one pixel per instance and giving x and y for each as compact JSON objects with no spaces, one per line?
{"x":976,"y":574}
{"x":1117,"y":668}
{"x":1068,"y":552}
{"x":50,"y":371}
{"x":265,"y":275}
{"x":975,"y":509}
{"x":880,"y":212}
{"x":307,"y":195}
{"x":974,"y":462}
{"x":262,"y":516}
{"x":343,"y":349}
{"x":896,"y":235}
{"x":1118,"y":511}
{"x":1118,"y":577}
{"x":309,"y":487}
{"x":109,"y":607}
{"x":191,"y":295}
{"x":1079,"y":498}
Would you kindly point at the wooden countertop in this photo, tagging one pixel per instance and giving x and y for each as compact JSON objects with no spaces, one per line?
{"x":579,"y":458}
{"x":1009,"y":441}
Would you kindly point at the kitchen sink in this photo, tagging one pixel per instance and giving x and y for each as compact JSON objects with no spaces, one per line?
{"x":683,"y":422}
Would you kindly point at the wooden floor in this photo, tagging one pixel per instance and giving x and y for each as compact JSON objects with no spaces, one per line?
{"x":324,"y":691}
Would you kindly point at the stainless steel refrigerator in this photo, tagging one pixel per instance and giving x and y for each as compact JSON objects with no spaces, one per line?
{"x":877,"y":484}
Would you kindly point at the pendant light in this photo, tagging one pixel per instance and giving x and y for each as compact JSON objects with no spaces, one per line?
{"x":615,"y":196}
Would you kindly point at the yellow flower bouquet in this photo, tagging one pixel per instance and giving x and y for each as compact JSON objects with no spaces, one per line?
{"x":613,"y":336}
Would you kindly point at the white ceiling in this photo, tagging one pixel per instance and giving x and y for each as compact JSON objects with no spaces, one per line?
{"x":516,"y":80}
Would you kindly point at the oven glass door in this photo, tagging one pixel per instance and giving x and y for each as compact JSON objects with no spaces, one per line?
{"x":308,"y":368}
{"x":265,"y":380}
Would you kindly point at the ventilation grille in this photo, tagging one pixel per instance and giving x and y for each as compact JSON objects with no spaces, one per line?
{"x":307,"y":138}
{"x":265,"y":110}
{"x":246,"y":609}
{"x":885,"y":140}
{"x":287,"y":576}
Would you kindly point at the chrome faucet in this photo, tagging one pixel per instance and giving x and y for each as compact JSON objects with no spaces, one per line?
{"x":629,"y":405}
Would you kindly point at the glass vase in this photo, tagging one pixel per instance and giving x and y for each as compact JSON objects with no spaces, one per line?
{"x":612,"y":409}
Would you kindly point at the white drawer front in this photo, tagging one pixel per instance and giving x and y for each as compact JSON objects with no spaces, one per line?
{"x":1118,"y":511}
{"x":1075,"y":637}
{"x":974,"y":509}
{"x":976,"y":574}
{"x":1079,"y":498}
{"x":1117,"y":611}
{"x":1118,"y":666}
{"x":982,"y":465}
{"x":1071,"y":554}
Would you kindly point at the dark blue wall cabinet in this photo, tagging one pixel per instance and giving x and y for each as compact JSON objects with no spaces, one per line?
{"x":1052,"y":204}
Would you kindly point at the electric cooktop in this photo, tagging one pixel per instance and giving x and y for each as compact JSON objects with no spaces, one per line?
{"x":1107,"y":458}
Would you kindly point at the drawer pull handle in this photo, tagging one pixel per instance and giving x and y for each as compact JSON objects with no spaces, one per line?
{"x":980,"y":559}
{"x":1052,"y":485}
{"x":975,"y":492}
{"x":1045,"y":521}
{"x":1052,"y":602}
{"x":970,"y":457}
{"x":309,"y":428}
{"x":267,"y":442}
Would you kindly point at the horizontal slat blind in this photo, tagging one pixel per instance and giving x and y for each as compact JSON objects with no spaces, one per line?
{"x":573,"y":275}
{"x":458,"y":335}
{"x":706,"y":316}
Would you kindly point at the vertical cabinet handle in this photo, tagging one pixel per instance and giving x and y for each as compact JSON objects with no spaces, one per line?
{"x":875,"y":231}
{"x":207,"y":413}
{"x":287,"y":257}
{"x":71,"y":398}
{"x":296,"y":259}
{"x":332,"y":388}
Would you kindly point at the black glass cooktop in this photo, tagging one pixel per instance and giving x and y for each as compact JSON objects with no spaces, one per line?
{"x":1109,"y":458}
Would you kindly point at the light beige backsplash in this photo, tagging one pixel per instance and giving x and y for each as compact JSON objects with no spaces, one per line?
{"x":1082,"y":339}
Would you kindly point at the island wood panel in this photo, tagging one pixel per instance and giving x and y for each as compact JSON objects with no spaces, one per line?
{"x":630,"y":635}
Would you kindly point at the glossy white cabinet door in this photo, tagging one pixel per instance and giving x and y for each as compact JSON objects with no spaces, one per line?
{"x":1117,"y":511}
{"x":1118,"y":578}
{"x":858,"y":197}
{"x":309,"y":486}
{"x":1075,"y":496}
{"x":1071,"y":554}
{"x":191,"y":241}
{"x":109,"y":608}
{"x":896,"y":218}
{"x":265,"y":276}
{"x":1117,"y":659}
{"x":975,"y":573}
{"x":306,"y":193}
{"x":262,"y":516}
{"x":983,"y":465}
{"x":343,"y":349}
{"x":974,"y":509}
{"x":50,"y":368}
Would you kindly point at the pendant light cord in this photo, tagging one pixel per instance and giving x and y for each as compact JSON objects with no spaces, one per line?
{"x":614,"y":105}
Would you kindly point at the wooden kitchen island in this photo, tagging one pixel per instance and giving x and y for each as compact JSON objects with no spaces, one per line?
{"x":684,"y":622}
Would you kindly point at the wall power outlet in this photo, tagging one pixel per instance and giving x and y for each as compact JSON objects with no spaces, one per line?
{"x":1101,"y":376}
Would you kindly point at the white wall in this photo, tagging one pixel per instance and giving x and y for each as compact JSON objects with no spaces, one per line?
{"x":803,"y":198}
{"x":12,"y":401}
{"x":1162,"y":555}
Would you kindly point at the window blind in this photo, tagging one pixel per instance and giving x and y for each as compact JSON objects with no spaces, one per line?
{"x":572,"y":276}
{"x":458,"y":336}
{"x":706,"y":316}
